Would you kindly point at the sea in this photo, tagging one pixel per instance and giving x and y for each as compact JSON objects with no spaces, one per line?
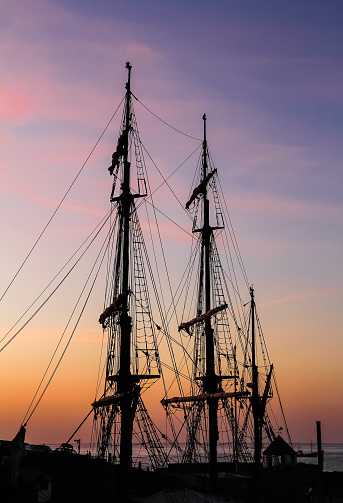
{"x":333,"y":456}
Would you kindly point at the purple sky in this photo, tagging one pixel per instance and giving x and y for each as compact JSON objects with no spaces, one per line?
{"x":269,"y":76}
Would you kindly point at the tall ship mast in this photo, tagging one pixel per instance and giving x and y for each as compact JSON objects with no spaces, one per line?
{"x":132,"y":362}
{"x":226,"y":418}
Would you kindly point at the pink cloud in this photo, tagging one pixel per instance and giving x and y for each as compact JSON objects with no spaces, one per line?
{"x":14,"y":105}
{"x":67,"y":206}
{"x":58,"y":85}
{"x":169,"y":231}
{"x":42,"y":200}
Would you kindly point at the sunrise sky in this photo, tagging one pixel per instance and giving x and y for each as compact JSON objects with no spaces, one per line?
{"x":269,"y":76}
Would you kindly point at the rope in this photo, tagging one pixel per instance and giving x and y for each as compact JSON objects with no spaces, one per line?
{"x":60,"y":203}
{"x":52,"y":293}
{"x":170,"y":219}
{"x":109,"y":250}
{"x":162,"y":330}
{"x":164,"y":122}
{"x":171,"y":352}
{"x":70,"y":338}
{"x":280,"y":403}
{"x":56,"y":276}
{"x":233,"y":237}
{"x":165,"y":180}
{"x":77,"y":429}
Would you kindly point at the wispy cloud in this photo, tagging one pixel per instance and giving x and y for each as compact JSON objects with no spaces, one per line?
{"x":315,"y":293}
{"x":286,"y":208}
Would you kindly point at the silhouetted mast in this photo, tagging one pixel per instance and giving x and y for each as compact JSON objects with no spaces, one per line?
{"x":255,"y":398}
{"x":125,"y":381}
{"x":210,"y":381}
{"x":221,"y":416}
{"x":132,"y":361}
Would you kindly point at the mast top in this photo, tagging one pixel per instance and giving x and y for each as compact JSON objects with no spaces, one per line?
{"x":204,"y":119}
{"x":129,"y":67}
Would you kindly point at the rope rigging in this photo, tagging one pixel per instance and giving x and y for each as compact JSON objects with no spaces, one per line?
{"x":60,"y":203}
{"x":232,"y":235}
{"x":28,"y":415}
{"x":224,"y":288}
{"x":167,"y":334}
{"x":165,"y":180}
{"x":164,"y":122}
{"x":159,"y":278}
{"x":102,"y":224}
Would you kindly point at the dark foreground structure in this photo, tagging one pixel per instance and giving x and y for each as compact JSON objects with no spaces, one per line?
{"x":63,"y":477}
{"x":66,"y":477}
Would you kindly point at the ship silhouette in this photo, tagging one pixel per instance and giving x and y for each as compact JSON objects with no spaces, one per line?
{"x":204,"y":354}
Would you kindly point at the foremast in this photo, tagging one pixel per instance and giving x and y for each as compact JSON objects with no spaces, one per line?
{"x":126,"y":385}
{"x":132,"y":354}
{"x":211,"y":379}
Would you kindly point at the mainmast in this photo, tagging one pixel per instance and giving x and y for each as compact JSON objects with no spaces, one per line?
{"x":221,"y":416}
{"x":210,"y":404}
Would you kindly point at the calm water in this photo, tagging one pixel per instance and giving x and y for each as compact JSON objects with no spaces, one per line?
{"x":333,"y":456}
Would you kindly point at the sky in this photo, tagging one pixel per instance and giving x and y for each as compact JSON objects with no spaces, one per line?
{"x":269,"y":76}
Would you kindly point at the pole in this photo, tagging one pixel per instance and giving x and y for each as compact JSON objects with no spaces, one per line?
{"x":320,"y":462}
